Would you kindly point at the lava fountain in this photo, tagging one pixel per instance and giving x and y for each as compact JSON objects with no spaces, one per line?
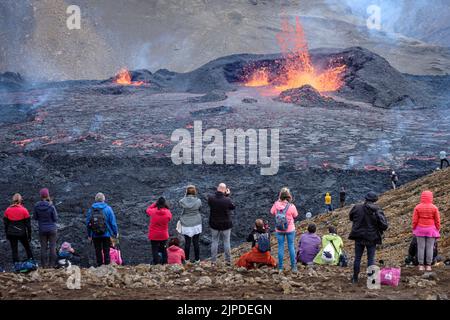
{"x":123,"y":77}
{"x":297,"y":68}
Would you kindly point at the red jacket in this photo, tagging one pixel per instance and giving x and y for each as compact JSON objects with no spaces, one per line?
{"x":17,"y":213}
{"x":175,"y":255}
{"x":158,"y":228}
{"x":426,"y":214}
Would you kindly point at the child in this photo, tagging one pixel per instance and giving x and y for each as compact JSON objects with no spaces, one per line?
{"x":114,"y":253}
{"x":67,"y":256}
{"x":175,"y":255}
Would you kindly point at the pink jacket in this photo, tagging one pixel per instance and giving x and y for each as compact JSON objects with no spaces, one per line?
{"x":158,"y":228}
{"x":291,"y":214}
{"x":175,"y":255}
{"x":115,"y":256}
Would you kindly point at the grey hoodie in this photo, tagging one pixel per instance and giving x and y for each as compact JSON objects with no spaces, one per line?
{"x":190,"y":217}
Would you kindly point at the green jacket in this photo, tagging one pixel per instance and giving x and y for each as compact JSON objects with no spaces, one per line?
{"x":338,"y":243}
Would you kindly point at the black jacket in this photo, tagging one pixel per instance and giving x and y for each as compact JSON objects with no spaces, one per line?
{"x":369,"y":223}
{"x":20,"y":228}
{"x":220,"y":207}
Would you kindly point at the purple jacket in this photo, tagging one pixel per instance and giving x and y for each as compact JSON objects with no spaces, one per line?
{"x":46,"y":215}
{"x":308,"y":247}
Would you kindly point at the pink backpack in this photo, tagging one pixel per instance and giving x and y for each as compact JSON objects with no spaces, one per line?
{"x":390,"y":276}
{"x":115,"y":256}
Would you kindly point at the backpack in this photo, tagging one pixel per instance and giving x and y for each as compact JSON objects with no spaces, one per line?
{"x":26,"y":266}
{"x":281,"y":222}
{"x":97,"y":222}
{"x":343,"y":258}
{"x":390,"y":276}
{"x":263,"y":242}
{"x":328,"y":253}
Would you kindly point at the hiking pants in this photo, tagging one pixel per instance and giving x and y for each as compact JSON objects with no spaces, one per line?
{"x":102,"y":245}
{"x":226,"y":234}
{"x":442,"y":163}
{"x":48,"y":248}
{"x":291,"y":248}
{"x":159,"y":247}
{"x":14,"y":242}
{"x":359,"y":250}
{"x":425,"y":244}
{"x":187,"y":246}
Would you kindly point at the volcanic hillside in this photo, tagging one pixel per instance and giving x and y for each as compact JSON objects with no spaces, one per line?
{"x":322,"y":282}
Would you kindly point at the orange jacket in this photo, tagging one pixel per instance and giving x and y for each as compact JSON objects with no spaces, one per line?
{"x":426,"y":214}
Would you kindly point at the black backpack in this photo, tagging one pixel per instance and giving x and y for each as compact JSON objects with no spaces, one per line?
{"x":97,"y":222}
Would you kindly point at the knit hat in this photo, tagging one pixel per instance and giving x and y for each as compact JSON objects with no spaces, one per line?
{"x":44,"y":193}
{"x":66,"y":246}
{"x":371,"y":197}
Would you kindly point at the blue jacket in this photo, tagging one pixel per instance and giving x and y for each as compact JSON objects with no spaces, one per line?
{"x":46,"y":216}
{"x":110,"y":220}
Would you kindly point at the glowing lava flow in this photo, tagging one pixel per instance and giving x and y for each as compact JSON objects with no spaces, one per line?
{"x":297,"y":69}
{"x":123,"y":77}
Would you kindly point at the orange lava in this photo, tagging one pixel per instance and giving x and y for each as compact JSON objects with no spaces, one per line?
{"x":123,"y":77}
{"x":297,"y":69}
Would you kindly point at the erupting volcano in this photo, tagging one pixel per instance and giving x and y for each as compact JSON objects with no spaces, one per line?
{"x":123,"y":77}
{"x":297,"y":69}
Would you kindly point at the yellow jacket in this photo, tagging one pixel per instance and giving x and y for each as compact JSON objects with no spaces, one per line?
{"x":328,"y":199}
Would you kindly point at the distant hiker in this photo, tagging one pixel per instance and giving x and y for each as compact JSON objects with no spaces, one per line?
{"x":259,"y":255}
{"x":369,"y":223}
{"x":285,"y":212}
{"x":412,"y":253}
{"x":443,"y":158}
{"x":394,"y":179}
{"x":158,"y":229}
{"x":332,"y":246}
{"x":426,"y":225}
{"x":18,"y":228}
{"x":67,"y":256}
{"x":175,"y":255}
{"x":191,"y":222}
{"x":328,"y":202}
{"x":46,"y":215}
{"x":101,"y":226}
{"x":308,"y":246}
{"x":114,"y":253}
{"x":220,"y":222}
{"x":342,"y":195}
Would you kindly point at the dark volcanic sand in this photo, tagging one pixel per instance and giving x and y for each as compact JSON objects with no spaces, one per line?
{"x":88,"y":137}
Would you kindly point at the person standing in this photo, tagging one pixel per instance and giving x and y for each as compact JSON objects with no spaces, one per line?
{"x":17,"y":223}
{"x":394,"y":179}
{"x":191,"y":222}
{"x":220,"y":206}
{"x":101,"y":226}
{"x":285,"y":212}
{"x":46,"y":216}
{"x":158,"y":229}
{"x":426,"y":225}
{"x":368,"y":224}
{"x":443,"y":158}
{"x":342,"y":196}
{"x":328,"y":202}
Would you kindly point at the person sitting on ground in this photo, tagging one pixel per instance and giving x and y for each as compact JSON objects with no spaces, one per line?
{"x":426,"y":225}
{"x":443,"y":158}
{"x":17,"y":223}
{"x":285,"y":212}
{"x":191,"y":222}
{"x":175,"y":255}
{"x":114,"y":253}
{"x":332,"y":246}
{"x":46,"y":215}
{"x":328,"y":202}
{"x":220,"y":221}
{"x":67,"y":256}
{"x":308,"y":246}
{"x":259,"y":255}
{"x":368,"y":224}
{"x":158,"y":229}
{"x":101,"y":226}
{"x":412,"y":253}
